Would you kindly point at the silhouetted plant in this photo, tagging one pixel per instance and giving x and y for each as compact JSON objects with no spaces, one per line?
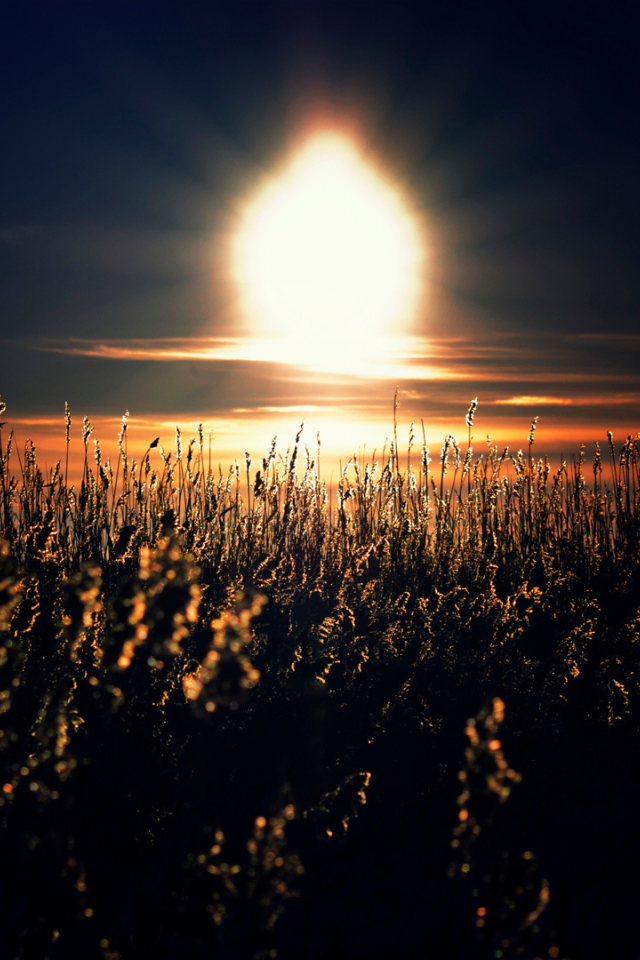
{"x":196,"y":670}
{"x":510,"y":891}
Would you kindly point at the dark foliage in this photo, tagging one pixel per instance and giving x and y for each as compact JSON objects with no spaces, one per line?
{"x":236,"y":724}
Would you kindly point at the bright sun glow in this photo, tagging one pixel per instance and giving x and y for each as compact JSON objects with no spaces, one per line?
{"x":327,"y":252}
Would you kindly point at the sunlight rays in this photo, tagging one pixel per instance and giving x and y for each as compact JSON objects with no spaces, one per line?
{"x":327,"y":256}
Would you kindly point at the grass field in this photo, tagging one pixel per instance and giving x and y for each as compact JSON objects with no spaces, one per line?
{"x":245,"y":716}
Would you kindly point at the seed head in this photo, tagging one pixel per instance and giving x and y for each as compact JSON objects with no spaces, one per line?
{"x":597,"y":459}
{"x":472,"y":409}
{"x":87,"y":430}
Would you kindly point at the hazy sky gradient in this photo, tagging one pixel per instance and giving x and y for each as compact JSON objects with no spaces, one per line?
{"x":135,"y":132}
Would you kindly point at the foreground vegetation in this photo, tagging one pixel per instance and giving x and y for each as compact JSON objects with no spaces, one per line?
{"x":241,"y":720}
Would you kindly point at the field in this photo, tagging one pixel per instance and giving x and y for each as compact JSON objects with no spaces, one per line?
{"x":243,"y":718}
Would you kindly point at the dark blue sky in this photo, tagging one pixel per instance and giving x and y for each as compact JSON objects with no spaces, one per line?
{"x":132,"y":131}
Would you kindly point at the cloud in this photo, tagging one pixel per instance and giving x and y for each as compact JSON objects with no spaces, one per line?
{"x":535,"y":401}
{"x":300,"y":408}
{"x":590,"y":401}
{"x":381,"y":357}
{"x":252,"y":388}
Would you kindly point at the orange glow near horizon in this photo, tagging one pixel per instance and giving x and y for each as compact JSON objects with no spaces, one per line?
{"x":342,"y":436}
{"x":326,"y":255}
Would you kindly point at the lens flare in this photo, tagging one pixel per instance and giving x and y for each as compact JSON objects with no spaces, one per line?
{"x":327,"y":252}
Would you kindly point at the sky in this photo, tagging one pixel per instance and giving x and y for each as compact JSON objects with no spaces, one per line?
{"x":137,"y":136}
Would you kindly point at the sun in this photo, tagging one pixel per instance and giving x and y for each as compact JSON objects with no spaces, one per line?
{"x":326,"y":251}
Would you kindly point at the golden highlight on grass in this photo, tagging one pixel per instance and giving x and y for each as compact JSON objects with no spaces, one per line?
{"x":493,"y":500}
{"x":219,"y":690}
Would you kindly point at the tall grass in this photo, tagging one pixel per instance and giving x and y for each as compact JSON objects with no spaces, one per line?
{"x":233,"y":706}
{"x":509,"y":506}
